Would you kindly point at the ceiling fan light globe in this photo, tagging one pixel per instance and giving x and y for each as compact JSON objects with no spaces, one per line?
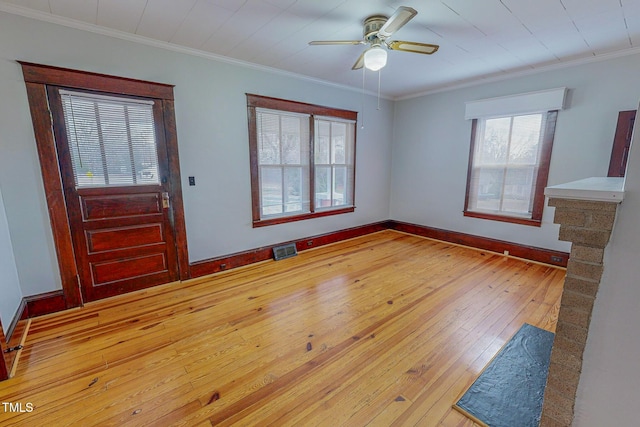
{"x":375,"y":58}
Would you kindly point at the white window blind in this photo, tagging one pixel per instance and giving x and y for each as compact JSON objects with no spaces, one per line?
{"x":283,"y":162}
{"x":112,"y":140}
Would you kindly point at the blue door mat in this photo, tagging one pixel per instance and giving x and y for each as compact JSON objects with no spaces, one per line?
{"x":510,"y":390}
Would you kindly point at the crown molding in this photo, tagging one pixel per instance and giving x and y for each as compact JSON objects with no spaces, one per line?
{"x":475,"y":81}
{"x":507,"y":75}
{"x":135,"y":38}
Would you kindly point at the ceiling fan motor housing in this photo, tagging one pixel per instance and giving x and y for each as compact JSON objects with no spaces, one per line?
{"x":372,"y":25}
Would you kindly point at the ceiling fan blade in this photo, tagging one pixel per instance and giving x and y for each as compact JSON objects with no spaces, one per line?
{"x":414,"y":47}
{"x":400,"y":17}
{"x":328,"y":42}
{"x":359,"y":62}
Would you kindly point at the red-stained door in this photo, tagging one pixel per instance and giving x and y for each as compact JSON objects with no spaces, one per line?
{"x":115,"y":174}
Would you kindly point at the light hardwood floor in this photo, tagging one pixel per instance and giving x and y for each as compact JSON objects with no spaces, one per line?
{"x":382,"y":330}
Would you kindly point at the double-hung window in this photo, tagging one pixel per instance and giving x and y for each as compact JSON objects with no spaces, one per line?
{"x":509,"y":160}
{"x":302,"y":160}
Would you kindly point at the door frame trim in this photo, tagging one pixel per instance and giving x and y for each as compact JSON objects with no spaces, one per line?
{"x":37,"y":77}
{"x":618,"y":159}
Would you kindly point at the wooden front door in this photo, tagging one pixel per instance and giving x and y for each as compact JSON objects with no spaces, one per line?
{"x":111,"y":180}
{"x":115,"y":177}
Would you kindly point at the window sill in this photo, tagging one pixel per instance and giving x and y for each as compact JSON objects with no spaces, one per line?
{"x":504,"y":218}
{"x":300,"y":217}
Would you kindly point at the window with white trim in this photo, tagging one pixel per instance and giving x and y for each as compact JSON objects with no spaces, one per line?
{"x":302,"y":160}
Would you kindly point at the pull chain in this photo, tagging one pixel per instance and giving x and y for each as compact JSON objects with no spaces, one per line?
{"x":379,"y":73}
{"x":362,"y":118}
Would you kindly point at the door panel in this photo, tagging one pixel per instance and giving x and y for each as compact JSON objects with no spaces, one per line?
{"x":106,"y":206}
{"x":126,"y":237}
{"x":128,"y":240}
{"x":123,"y":270}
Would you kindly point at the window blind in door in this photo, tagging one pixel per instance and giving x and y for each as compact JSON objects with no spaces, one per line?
{"x":111,"y":140}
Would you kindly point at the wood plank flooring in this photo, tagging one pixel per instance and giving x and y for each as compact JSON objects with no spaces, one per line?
{"x":382,"y":330}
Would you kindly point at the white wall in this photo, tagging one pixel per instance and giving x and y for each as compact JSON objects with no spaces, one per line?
{"x":11,"y":293}
{"x":431,"y":146}
{"x":609,"y":389}
{"x":212,"y":137}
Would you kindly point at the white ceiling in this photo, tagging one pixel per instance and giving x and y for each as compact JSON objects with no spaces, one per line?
{"x":479,"y":39}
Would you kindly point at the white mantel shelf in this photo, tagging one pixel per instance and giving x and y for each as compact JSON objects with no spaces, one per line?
{"x":590,"y":189}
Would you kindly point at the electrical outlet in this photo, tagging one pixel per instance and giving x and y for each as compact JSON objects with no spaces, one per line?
{"x":192,"y":180}
{"x":556,"y":258}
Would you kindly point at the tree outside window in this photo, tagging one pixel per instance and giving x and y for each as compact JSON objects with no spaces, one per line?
{"x":302,"y":160}
{"x":508,"y":167}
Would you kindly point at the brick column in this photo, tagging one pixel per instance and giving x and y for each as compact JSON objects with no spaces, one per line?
{"x":587,"y":225}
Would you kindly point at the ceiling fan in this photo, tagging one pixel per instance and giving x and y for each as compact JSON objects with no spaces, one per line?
{"x":377,"y":30}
